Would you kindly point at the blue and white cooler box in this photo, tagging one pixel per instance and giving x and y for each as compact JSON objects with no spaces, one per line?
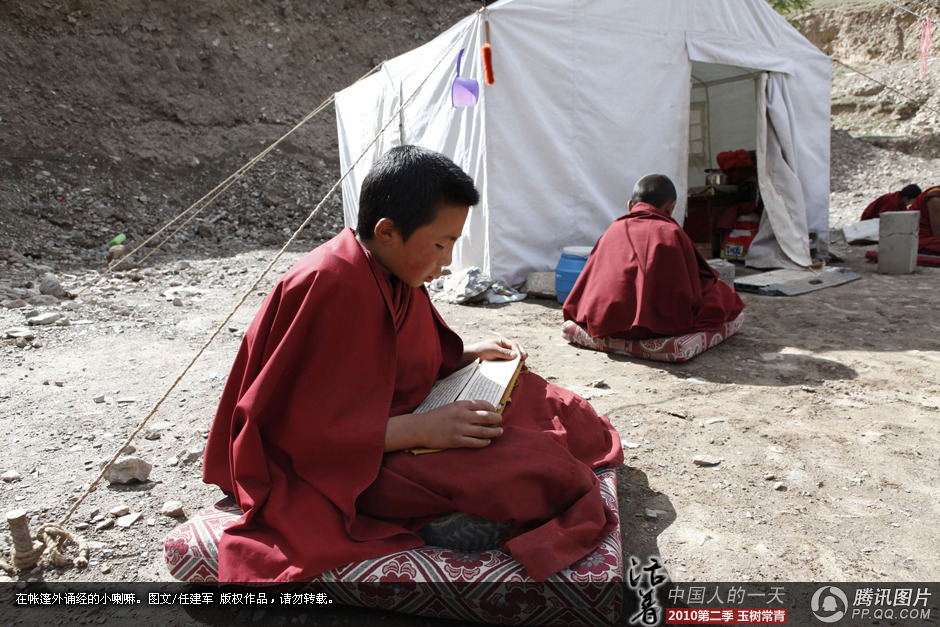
{"x":569,"y":269}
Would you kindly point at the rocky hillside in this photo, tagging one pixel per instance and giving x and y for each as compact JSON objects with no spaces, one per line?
{"x":116,"y":116}
{"x":891,"y":105}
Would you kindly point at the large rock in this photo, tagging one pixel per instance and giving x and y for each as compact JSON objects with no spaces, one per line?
{"x":50,"y":286}
{"x":128,"y":470}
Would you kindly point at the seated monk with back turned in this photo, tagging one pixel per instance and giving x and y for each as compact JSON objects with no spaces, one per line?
{"x":312,"y":431}
{"x":928,"y":204}
{"x":895,"y":201}
{"x":645,"y":277}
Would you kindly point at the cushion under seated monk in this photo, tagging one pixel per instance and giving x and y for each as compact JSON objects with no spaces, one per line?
{"x":676,"y":348}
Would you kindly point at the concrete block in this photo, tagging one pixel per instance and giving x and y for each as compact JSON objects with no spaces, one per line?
{"x":541,"y":284}
{"x":897,"y":242}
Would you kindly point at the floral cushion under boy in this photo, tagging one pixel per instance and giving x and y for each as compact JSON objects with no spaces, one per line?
{"x":673,"y":348}
{"x":487,"y":586}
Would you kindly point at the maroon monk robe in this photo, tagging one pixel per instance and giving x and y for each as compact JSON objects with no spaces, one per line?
{"x":882,"y":204}
{"x":299,"y":435}
{"x":645,"y":278}
{"x":928,"y":243}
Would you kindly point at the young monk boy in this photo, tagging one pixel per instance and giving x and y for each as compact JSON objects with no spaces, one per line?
{"x":311,"y":429}
{"x":645,"y":278}
{"x":895,"y":201}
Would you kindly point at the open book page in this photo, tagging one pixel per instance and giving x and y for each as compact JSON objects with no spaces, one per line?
{"x":490,"y":381}
{"x":447,"y":389}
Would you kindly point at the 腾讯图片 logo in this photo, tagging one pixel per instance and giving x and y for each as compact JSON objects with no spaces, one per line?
{"x":829,"y":604}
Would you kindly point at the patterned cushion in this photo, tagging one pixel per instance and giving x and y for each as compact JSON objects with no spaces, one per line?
{"x":487,"y":586}
{"x":674,"y":348}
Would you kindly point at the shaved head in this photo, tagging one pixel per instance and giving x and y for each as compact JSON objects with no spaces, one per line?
{"x":654,"y":189}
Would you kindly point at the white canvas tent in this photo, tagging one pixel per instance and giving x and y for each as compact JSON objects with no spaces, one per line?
{"x":590,"y":95}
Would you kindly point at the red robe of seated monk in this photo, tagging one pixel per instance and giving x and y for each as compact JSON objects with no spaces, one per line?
{"x":299,"y":435}
{"x":928,"y":243}
{"x":645,"y":278}
{"x":883,"y":204}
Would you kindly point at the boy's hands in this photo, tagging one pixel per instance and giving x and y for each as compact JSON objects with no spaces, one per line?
{"x":470,"y":424}
{"x":464,"y":424}
{"x":487,"y":350}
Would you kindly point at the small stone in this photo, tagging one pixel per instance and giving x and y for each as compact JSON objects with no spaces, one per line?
{"x":173,"y":509}
{"x":126,"y":400}
{"x":10,"y":476}
{"x":126,"y":521}
{"x":63,"y":322}
{"x":193,"y":453}
{"x":20,"y":332}
{"x":44,"y":318}
{"x":16,"y":303}
{"x":651,"y":514}
{"x":780,"y":487}
{"x":105,"y":569}
{"x":116,"y":252}
{"x":128,"y":470}
{"x":599,"y":383}
{"x":706,"y":460}
{"x":769,"y":476}
{"x":631,"y":445}
{"x":177,"y":302}
{"x":99,"y":398}
{"x":107,"y":523}
{"x":120,"y":510}
{"x":42,"y":300}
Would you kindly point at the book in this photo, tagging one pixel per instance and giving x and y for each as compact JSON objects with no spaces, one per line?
{"x":490,"y":381}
